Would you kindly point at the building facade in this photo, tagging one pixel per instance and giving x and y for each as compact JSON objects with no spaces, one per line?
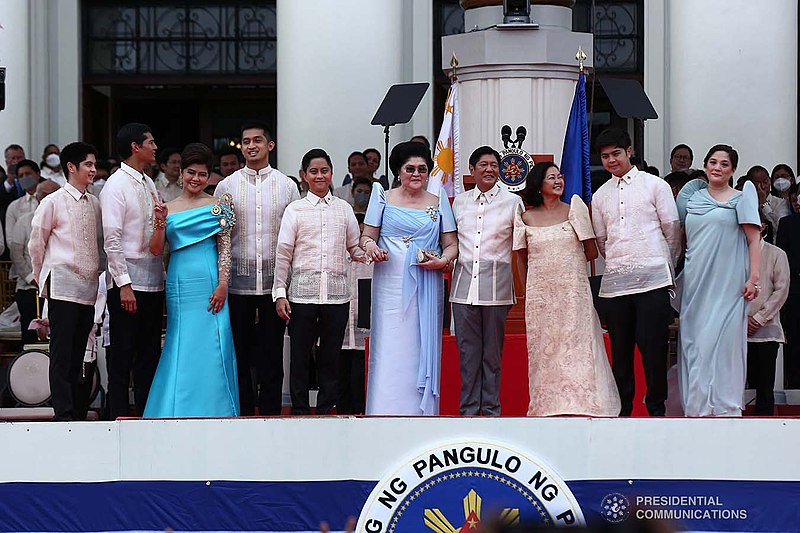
{"x":316,"y":71}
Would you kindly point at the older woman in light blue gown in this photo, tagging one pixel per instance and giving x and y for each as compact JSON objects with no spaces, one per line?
{"x":720,"y":277}
{"x":410,"y":235}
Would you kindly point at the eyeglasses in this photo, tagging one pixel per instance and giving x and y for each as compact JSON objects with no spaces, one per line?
{"x":418,"y":170}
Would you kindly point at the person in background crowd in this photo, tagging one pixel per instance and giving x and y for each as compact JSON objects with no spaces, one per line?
{"x":21,"y":267}
{"x":698,"y":174}
{"x":66,"y":251}
{"x":764,"y":331}
{"x":639,"y":162}
{"x":196,"y":374}
{"x":721,"y":276}
{"x":135,"y":277}
{"x":774,"y":208}
{"x":230,"y":161}
{"x":653,"y":171}
{"x":676,"y":181}
{"x":260,"y":196}
{"x":782,"y":179}
{"x":421,"y":139}
{"x":680,"y":158}
{"x":788,"y":240}
{"x":11,"y":189}
{"x":374,"y":160}
{"x":568,"y":367}
{"x":28,"y":177}
{"x":482,"y":291}
{"x":311,"y":290}
{"x":362,"y":187}
{"x":51,"y":165}
{"x":638,"y":269}
{"x":102,"y":173}
{"x":352,"y":399}
{"x":168,"y":180}
{"x":411,"y":235}
{"x":357,"y":167}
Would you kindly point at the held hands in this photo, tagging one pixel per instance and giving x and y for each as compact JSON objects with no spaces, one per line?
{"x":283,"y":308}
{"x":217,"y":299}
{"x":375,"y":254}
{"x":751,"y":290}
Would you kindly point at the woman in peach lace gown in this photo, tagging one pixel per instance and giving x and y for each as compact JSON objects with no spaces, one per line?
{"x":568,"y":370}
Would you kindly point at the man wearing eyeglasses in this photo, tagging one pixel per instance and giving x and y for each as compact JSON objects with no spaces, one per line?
{"x":482,"y":290}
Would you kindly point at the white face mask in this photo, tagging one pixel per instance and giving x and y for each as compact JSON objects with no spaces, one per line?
{"x":781,"y":184}
{"x":52,"y":160}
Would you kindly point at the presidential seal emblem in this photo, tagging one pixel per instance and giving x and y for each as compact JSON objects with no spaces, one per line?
{"x":515,"y":163}
{"x":455,"y":487}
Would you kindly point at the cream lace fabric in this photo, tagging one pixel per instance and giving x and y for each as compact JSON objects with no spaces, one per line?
{"x":568,"y":370}
{"x":227,"y":222}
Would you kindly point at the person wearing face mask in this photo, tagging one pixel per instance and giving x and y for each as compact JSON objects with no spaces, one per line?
{"x":782,"y":179}
{"x":771,"y":205}
{"x":28,"y":176}
{"x":24,"y":206}
{"x":362,"y":187}
{"x":51,"y":165}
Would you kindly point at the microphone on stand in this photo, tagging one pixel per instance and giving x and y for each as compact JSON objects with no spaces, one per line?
{"x":505,"y":135}
{"x":521,"y":134}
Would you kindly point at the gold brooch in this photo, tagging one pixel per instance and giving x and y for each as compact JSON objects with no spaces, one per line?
{"x":216,"y":210}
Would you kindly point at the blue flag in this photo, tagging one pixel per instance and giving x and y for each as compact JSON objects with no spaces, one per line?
{"x":575,"y":156}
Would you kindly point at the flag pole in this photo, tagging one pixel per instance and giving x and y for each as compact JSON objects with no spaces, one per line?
{"x":580,"y":56}
{"x":453,"y":66}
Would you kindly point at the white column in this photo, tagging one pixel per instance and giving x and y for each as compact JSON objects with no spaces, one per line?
{"x":15,"y":124}
{"x":336,"y":60}
{"x":726,"y":81}
{"x":65,"y":94}
{"x":40,"y":47}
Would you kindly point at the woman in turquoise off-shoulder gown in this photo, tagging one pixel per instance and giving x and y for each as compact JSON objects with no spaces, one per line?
{"x":196,"y":375}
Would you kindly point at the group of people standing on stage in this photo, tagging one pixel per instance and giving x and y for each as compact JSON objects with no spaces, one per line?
{"x":244,"y":263}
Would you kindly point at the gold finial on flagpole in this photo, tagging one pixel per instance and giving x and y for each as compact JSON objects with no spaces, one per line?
{"x":453,"y":65}
{"x":581,"y":57}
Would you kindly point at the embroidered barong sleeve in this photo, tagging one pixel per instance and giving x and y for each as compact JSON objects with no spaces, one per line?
{"x":113,"y":209}
{"x":284,"y":252}
{"x":667,"y":213}
{"x":600,"y":231}
{"x":41,"y":225}
{"x":780,"y":289}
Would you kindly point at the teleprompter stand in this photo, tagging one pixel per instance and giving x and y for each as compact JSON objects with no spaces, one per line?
{"x":398,"y":106}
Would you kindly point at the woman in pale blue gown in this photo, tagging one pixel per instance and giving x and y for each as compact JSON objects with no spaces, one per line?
{"x":719,"y":279}
{"x":196,"y":374}
{"x":410,"y":234}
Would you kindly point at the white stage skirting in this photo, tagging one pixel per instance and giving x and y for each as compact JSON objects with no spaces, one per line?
{"x":397,"y":474}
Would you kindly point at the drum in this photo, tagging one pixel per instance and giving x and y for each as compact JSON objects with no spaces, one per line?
{"x":29,"y":378}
